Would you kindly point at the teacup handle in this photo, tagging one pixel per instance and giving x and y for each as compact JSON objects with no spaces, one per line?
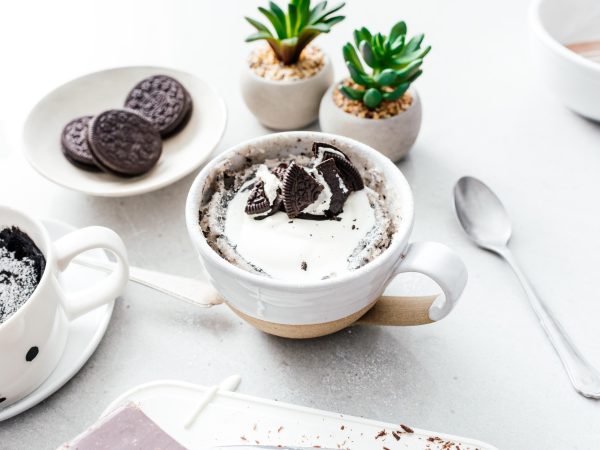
{"x":68,"y":247}
{"x":439,"y":263}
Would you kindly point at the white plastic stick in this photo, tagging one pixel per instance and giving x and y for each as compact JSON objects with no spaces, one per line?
{"x":228,"y":384}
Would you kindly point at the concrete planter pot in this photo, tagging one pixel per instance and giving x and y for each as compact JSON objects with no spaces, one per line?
{"x":286,"y":104}
{"x":394,"y":136}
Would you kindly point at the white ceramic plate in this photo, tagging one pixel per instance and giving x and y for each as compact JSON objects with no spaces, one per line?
{"x":99,"y":91}
{"x":85,"y":333}
{"x":230,"y":418}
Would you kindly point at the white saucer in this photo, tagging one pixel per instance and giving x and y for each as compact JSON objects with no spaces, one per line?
{"x":85,"y":333}
{"x":99,"y":91}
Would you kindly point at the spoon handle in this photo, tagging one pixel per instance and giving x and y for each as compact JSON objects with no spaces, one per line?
{"x":192,"y":291}
{"x":583,"y":376}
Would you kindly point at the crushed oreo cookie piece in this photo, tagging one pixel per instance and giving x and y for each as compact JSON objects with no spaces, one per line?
{"x":339,"y":191}
{"x":299,"y":190}
{"x":317,"y":146}
{"x":258,"y":203}
{"x":348,"y":171}
{"x":303,"y":265}
{"x":279,"y":171}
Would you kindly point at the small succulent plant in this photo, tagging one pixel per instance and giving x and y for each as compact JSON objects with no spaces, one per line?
{"x":294,"y":30}
{"x":395,"y":64}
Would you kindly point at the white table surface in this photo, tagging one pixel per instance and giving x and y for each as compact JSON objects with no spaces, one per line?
{"x":486,"y":372}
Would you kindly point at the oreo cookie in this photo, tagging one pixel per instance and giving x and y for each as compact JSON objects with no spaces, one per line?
{"x":75,"y":146}
{"x":348,"y":171}
{"x":162,"y":100}
{"x":257,"y":202}
{"x":339,"y":191}
{"x":299,"y":190}
{"x":317,"y":146}
{"x":123,"y":142}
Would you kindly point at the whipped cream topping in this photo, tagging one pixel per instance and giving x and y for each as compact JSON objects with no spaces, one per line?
{"x":297,"y":249}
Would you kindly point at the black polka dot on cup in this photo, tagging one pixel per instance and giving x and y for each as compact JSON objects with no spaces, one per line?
{"x":2,"y":399}
{"x":31,"y":354}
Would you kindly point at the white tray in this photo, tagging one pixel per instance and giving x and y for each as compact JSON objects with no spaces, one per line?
{"x":233,"y":419}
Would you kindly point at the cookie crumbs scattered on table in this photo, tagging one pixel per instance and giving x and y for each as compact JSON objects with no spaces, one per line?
{"x":381,"y":434}
{"x":406,"y":428}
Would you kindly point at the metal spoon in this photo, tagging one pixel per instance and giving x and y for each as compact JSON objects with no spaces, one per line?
{"x":485,"y":220}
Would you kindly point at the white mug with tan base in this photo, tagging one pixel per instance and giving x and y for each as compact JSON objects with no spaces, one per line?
{"x":33,"y":338}
{"x":300,"y":309}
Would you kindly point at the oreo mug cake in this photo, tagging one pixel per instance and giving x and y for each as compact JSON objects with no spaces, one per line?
{"x":301,"y":232}
{"x":306,"y":216}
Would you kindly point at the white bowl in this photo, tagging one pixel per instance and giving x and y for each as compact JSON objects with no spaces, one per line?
{"x":575,"y":79}
{"x":96,"y":92}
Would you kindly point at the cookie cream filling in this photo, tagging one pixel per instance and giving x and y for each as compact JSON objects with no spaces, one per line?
{"x":297,"y":249}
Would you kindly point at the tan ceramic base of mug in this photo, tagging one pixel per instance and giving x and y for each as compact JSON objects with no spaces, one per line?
{"x":386,"y":310}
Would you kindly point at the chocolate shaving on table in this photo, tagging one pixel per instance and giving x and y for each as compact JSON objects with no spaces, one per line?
{"x":299,"y":190}
{"x":258,"y":202}
{"x":339,"y":192}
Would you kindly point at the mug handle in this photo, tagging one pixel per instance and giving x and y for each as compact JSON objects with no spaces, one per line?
{"x":105,"y":291}
{"x":439,"y":263}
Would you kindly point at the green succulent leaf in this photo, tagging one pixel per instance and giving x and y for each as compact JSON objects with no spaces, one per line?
{"x":367,"y":53}
{"x":277,"y":25}
{"x":256,"y":24}
{"x":398,"y":31}
{"x":415,"y":42}
{"x":407,"y":58}
{"x":303,"y":13}
{"x":319,"y":27}
{"x":397,"y":45}
{"x":324,"y":14}
{"x":379,"y":45}
{"x":397,"y":92}
{"x":292,"y":16}
{"x":334,"y":20}
{"x":351,"y":93}
{"x":351,"y":56}
{"x":278,"y":12}
{"x":362,"y":35}
{"x":357,"y":76}
{"x":408,"y":71}
{"x":416,"y":75}
{"x":259,"y":35}
{"x":372,"y":98}
{"x":386,"y":78}
{"x":316,"y":11}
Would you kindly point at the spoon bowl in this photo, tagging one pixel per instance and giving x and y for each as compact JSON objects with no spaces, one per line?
{"x":481,"y":214}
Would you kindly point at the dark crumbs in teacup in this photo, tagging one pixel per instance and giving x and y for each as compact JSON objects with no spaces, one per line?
{"x":21,"y":268}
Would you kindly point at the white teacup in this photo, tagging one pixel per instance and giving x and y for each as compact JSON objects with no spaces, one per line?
{"x":32,"y":340}
{"x":308,"y":309}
